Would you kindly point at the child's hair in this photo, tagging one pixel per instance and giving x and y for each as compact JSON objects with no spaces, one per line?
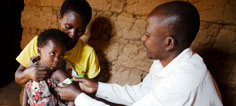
{"x":52,"y":34}
{"x":81,"y":7}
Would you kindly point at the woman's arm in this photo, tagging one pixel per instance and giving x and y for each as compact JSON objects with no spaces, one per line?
{"x":36,"y":73}
{"x":20,"y":76}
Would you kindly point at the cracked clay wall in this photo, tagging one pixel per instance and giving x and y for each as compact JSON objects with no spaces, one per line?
{"x":117,"y":26}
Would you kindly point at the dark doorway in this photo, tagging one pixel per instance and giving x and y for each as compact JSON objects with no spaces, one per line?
{"x":11,"y":32}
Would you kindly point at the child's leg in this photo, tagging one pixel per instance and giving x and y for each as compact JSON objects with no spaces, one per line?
{"x":25,"y":98}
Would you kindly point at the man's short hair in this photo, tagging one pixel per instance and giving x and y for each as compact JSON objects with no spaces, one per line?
{"x":186,"y":27}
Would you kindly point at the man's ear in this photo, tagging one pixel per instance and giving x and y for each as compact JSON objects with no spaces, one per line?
{"x":60,"y":19}
{"x":170,"y":43}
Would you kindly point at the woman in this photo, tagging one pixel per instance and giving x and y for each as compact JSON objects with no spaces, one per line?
{"x":74,"y":18}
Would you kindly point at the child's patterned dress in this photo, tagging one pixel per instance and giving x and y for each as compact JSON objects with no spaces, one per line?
{"x":43,"y":93}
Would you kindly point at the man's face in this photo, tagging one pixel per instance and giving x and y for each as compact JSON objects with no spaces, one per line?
{"x":73,"y":25}
{"x":52,"y":54}
{"x":153,"y":39}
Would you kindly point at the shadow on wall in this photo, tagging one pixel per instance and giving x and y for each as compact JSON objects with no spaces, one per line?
{"x":221,"y":65}
{"x":100,"y":34}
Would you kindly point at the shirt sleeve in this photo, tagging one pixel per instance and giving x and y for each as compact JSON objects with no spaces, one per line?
{"x":84,"y":100}
{"x":94,"y":67}
{"x":169,"y":99}
{"x":126,"y":95}
{"x":148,"y":100}
{"x":29,"y":51}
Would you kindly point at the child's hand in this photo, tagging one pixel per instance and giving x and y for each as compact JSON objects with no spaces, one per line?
{"x":36,"y":73}
{"x":87,"y":85}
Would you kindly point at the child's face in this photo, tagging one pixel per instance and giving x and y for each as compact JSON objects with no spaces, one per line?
{"x":52,"y":54}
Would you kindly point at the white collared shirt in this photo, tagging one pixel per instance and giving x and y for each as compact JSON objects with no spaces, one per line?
{"x":185,"y":81}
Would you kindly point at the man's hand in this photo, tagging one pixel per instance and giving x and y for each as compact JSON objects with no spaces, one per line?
{"x":68,"y":92}
{"x":87,"y":85}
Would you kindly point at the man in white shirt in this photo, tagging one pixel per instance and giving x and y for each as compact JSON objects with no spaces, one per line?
{"x":177,"y":77}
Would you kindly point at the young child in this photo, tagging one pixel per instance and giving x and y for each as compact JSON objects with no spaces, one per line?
{"x":51,"y":49}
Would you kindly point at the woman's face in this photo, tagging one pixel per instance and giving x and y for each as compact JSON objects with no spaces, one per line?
{"x":73,"y":25}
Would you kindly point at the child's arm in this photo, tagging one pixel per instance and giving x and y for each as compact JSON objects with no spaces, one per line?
{"x":59,"y":75}
{"x":25,"y":98}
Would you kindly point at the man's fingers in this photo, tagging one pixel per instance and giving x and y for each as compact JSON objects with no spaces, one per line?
{"x":83,"y":79}
{"x":58,"y":88}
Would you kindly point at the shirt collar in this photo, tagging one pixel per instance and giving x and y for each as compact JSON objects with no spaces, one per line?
{"x":187,"y":53}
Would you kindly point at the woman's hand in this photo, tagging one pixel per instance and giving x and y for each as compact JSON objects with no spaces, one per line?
{"x":68,"y":92}
{"x":36,"y":73}
{"x":87,"y":85}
